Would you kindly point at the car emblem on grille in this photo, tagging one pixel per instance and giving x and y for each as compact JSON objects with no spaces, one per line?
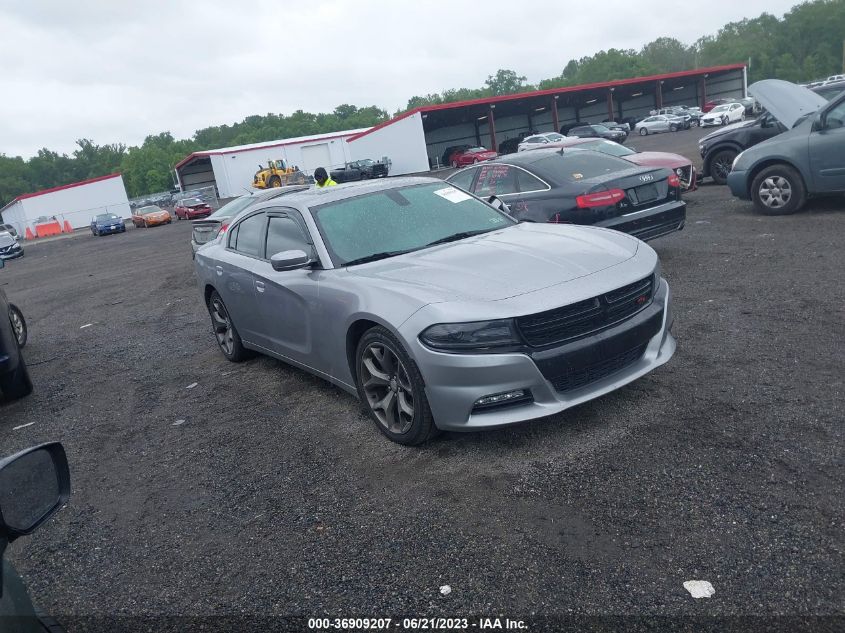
{"x":642,"y":299}
{"x":646,"y":177}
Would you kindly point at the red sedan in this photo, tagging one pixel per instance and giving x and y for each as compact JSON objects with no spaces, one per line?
{"x":714,"y":102}
{"x":471,"y":156}
{"x":682,"y":166}
{"x":191,"y":209}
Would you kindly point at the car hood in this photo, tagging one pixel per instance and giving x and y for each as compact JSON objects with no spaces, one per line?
{"x":786,"y":101}
{"x":658,"y":159}
{"x":156,"y":214}
{"x":502,"y":264}
{"x":725,"y":130}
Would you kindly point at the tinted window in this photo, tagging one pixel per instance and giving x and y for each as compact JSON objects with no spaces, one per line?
{"x":576,"y":166}
{"x":526,"y":182}
{"x":463,"y":179}
{"x":249,"y":238}
{"x":495,"y":180}
{"x":284,"y":234}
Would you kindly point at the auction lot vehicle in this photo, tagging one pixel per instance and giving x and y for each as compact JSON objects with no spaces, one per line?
{"x":34,"y":484}
{"x":203,"y":231}
{"x":656,"y":124}
{"x":359,"y":170}
{"x":278,"y":174}
{"x":8,"y":228}
{"x":151,"y":215}
{"x":10,"y":248}
{"x":576,"y":186}
{"x":807,"y":160}
{"x":436,"y":309}
{"x":720,"y":148}
{"x":471,"y":156}
{"x":724,"y":114}
{"x":14,"y":377}
{"x":830,"y":90}
{"x":682,"y":166}
{"x":539,"y":140}
{"x":598,"y":131}
{"x":191,"y":209}
{"x":106,"y":224}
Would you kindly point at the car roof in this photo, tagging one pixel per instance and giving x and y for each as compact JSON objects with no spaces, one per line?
{"x":316,"y":196}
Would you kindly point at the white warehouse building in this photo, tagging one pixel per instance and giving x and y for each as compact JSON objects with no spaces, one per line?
{"x":231,"y":169}
{"x":76,"y":203}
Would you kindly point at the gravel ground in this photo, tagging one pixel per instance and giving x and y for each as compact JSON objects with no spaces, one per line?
{"x":277,"y":497}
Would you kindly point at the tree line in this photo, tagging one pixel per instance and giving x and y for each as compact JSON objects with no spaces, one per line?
{"x":805,"y":44}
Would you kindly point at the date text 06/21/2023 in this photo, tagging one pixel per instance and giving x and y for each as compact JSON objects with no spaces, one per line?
{"x":416,"y":624}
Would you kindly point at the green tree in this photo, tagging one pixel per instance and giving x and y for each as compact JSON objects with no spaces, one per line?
{"x":505,"y":82}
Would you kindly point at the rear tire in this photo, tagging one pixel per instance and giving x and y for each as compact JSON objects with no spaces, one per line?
{"x":643,"y":131}
{"x":778,"y":190}
{"x":16,"y":384}
{"x":228,"y":339}
{"x":391,"y":389}
{"x":275,"y":181}
{"x":720,"y":166}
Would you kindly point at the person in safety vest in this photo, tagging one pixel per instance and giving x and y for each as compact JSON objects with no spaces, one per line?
{"x":322,"y":178}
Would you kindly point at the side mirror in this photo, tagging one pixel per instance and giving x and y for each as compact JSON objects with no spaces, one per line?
{"x":34,"y":484}
{"x":497,"y":204}
{"x":289,"y":260}
{"x":818,"y":123}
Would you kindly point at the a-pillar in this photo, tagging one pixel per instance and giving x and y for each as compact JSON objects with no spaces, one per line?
{"x":610,"y":115}
{"x":491,"y":124}
{"x":555,"y":120}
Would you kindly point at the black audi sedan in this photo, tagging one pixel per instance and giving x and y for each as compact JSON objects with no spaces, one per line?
{"x":576,"y":186}
{"x":14,"y":377}
{"x":598,"y":131}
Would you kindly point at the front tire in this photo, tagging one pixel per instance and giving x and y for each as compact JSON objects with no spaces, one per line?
{"x":720,"y":166}
{"x":391,"y":389}
{"x":18,"y":325}
{"x":673,"y":128}
{"x":643,"y":131}
{"x":16,"y":384}
{"x":275,"y":182}
{"x":778,"y":190}
{"x":227,"y":335}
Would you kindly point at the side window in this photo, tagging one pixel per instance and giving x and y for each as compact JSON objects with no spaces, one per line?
{"x":463,"y":179}
{"x":495,"y":180}
{"x":835,"y":117}
{"x":526,"y":182}
{"x":285,"y":234}
{"x":249,"y":238}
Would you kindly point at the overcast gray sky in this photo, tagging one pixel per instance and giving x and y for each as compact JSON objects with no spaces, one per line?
{"x":117,"y":70}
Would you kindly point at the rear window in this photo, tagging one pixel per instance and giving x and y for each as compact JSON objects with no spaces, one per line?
{"x":581,"y":165}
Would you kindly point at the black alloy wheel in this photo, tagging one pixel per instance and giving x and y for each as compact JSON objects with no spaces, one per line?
{"x":224,"y":330}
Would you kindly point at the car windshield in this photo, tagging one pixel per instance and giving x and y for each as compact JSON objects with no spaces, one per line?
{"x":231,"y":209}
{"x":576,"y":165}
{"x":107,"y":217}
{"x":401,"y":220}
{"x":367,"y":162}
{"x":607,"y":147}
{"x":536,"y":139}
{"x":720,"y":108}
{"x":144,"y":210}
{"x":554,"y":137}
{"x":192,"y":202}
{"x":600,"y":128}
{"x":476,"y":150}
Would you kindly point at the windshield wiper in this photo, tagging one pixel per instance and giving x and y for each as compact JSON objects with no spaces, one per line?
{"x":376,"y":256}
{"x":458,"y":236}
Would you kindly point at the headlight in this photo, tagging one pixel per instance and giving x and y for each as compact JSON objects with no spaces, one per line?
{"x":477,"y":335}
{"x":679,"y":171}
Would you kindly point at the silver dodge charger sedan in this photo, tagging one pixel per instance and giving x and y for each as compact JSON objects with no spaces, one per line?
{"x":435,"y":308}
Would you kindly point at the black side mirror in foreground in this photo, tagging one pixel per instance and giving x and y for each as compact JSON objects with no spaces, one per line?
{"x":290,"y":260}
{"x":34,"y":484}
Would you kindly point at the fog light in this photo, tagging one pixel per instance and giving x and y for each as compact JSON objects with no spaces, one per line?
{"x":501,"y":398}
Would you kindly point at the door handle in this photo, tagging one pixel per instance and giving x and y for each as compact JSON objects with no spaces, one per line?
{"x":219,"y":270}
{"x":259,"y":286}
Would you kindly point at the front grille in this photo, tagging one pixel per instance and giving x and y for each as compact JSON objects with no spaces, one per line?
{"x":587,"y":374}
{"x":586,"y":317}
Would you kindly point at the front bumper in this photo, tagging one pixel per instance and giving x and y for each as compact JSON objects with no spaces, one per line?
{"x":108,"y":230}
{"x":557,"y":378}
{"x":738,"y":184}
{"x":157,"y":221}
{"x":12,"y":253}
